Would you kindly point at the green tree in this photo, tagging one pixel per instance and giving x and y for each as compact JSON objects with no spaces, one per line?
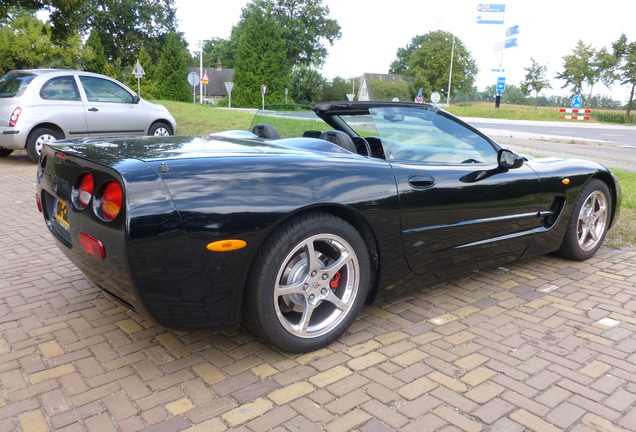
{"x":535,"y":80}
{"x":25,"y":42}
{"x":262,"y":60}
{"x":338,"y":88}
{"x":432,"y":60}
{"x":109,"y":70}
{"x":388,"y":89}
{"x":123,"y":25}
{"x":126,"y":25}
{"x":99,"y":60}
{"x":217,"y":49}
{"x":305,"y":25}
{"x":401,"y":64}
{"x":626,"y":54}
{"x":67,"y":17}
{"x":576,"y":67}
{"x":173,"y":71}
{"x":306,"y":85}
{"x":586,"y":65}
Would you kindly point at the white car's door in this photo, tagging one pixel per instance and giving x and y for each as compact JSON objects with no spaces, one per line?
{"x":111,"y":109}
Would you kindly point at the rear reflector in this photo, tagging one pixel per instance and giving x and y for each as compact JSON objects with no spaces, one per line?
{"x":38,"y":202}
{"x":92,"y":246}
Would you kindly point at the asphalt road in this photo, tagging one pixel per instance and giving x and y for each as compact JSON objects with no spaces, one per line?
{"x":611,"y":145}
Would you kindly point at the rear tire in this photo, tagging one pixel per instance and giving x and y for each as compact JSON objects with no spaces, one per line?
{"x":4,"y":152}
{"x":308,"y":283}
{"x":37,"y":139}
{"x":588,"y":223}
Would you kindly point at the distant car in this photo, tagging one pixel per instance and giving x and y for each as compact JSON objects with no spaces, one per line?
{"x":292,"y":226}
{"x":44,"y":105}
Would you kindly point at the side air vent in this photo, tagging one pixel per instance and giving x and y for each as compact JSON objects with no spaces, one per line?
{"x":552,"y":215}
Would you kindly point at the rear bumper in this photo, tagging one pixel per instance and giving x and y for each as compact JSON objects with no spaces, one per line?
{"x":12,"y":138}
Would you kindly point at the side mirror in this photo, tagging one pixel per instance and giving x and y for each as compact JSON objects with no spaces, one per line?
{"x":136,"y":99}
{"x":508,"y":160}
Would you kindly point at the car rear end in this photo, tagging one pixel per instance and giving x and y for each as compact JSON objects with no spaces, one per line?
{"x":111,"y":214}
{"x":83,"y":206}
{"x":12,"y":86}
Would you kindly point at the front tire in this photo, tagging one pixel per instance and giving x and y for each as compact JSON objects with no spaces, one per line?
{"x":308,"y":284}
{"x":4,"y":152}
{"x":589,"y":222}
{"x":37,"y":139}
{"x":160,"y":129}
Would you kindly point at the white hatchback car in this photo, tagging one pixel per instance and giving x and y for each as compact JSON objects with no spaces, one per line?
{"x":44,"y":105}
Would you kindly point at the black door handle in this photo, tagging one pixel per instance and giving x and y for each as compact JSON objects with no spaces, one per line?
{"x":421,"y":181}
{"x":93,"y":109}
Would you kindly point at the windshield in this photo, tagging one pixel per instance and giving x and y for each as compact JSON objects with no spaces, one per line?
{"x":286,"y":121}
{"x":428,"y":136}
{"x":14,"y":83}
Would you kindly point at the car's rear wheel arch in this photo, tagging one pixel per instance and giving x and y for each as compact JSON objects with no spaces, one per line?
{"x":32,"y":144}
{"x":350,"y":216}
{"x":321,"y":240}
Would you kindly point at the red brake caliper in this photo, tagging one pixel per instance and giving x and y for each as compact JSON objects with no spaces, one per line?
{"x":333,"y":284}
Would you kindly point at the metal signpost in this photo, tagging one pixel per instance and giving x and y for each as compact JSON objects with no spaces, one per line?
{"x":263,"y":91}
{"x":228,"y":86}
{"x":204,"y":82}
{"x":494,"y":14}
{"x":193,"y":80}
{"x":138,"y":72}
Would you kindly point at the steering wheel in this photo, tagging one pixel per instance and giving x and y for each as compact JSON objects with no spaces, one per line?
{"x":362,"y":146}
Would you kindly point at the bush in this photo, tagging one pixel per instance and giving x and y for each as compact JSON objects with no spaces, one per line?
{"x":611,"y":117}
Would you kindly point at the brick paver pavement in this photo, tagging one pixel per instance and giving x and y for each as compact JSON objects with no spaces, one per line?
{"x":540,"y":345}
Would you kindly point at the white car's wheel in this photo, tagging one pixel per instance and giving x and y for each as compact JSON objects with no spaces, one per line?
{"x":160,"y":129}
{"x":38,"y":138}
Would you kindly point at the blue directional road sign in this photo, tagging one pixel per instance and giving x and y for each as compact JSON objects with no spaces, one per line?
{"x":511,"y":31}
{"x":511,"y":43}
{"x":577,"y":102}
{"x":485,"y":7}
{"x":501,"y":84}
{"x":490,"y":20}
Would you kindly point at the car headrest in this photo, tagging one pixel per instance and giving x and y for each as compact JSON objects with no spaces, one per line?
{"x":265,"y":131}
{"x":339,"y":138}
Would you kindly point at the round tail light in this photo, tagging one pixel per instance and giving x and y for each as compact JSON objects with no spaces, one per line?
{"x":112,"y":201}
{"x":84,"y":191}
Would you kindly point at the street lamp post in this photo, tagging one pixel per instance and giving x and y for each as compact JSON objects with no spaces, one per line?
{"x":450,"y":73}
{"x":201,"y":71}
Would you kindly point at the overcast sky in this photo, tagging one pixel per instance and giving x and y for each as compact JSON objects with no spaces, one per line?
{"x":371,"y":35}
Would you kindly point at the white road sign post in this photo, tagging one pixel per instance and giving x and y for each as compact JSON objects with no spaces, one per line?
{"x":228,"y":86}
{"x":138,"y":72}
{"x":193,"y":80}
{"x":263,"y":91}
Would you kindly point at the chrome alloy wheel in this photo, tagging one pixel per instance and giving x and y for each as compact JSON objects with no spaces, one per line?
{"x":317,"y":285}
{"x":592,"y":221}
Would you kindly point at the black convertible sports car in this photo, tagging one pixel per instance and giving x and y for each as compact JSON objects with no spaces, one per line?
{"x":291,"y":227}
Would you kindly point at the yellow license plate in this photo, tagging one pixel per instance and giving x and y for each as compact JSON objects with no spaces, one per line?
{"x":61,"y":212}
